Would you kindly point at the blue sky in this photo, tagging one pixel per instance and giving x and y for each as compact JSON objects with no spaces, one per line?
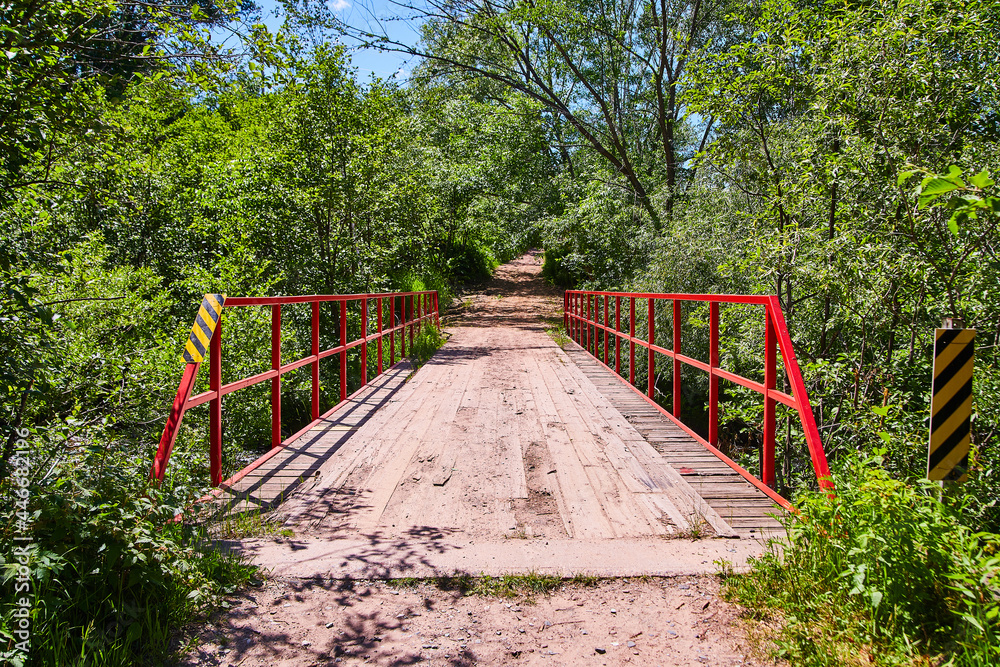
{"x":363,"y":14}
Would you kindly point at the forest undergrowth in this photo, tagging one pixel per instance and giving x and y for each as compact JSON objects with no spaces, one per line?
{"x":840,"y":156}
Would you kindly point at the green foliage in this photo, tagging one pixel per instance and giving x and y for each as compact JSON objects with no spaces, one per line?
{"x":523,"y":586}
{"x":111,"y":572}
{"x":882,"y":574}
{"x":426,"y":343}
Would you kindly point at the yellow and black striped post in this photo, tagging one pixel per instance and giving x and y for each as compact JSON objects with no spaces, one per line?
{"x":951,"y":404}
{"x":204,"y":325}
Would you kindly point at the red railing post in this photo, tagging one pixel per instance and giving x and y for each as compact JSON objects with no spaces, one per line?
{"x":379,"y":326}
{"x":770,"y":383}
{"x":631,"y":340}
{"x":593,"y":323}
{"x":618,"y":338}
{"x":174,"y":421}
{"x":677,"y":362}
{"x":276,"y":381}
{"x":606,"y":334}
{"x":566,"y":312}
{"x":402,"y":326}
{"x":575,"y":320}
{"x":418,"y":312}
{"x":437,"y":309}
{"x":650,"y":361}
{"x":364,"y":344}
{"x":713,"y":379}
{"x":343,"y":353}
{"x":315,"y":364}
{"x":794,"y":375}
{"x":409,"y":319}
{"x":215,"y":406}
{"x":580,"y":310}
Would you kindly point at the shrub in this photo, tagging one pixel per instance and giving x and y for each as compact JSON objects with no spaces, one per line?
{"x":426,"y":344}
{"x":884,"y":573}
{"x":111,"y":574}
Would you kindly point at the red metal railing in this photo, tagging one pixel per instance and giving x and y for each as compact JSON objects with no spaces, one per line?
{"x":584,"y":324}
{"x":404,"y":312}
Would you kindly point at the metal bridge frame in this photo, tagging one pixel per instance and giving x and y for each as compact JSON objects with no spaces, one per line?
{"x":406,"y":311}
{"x":583,"y":322}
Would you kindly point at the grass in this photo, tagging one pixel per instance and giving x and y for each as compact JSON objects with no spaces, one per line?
{"x":560,"y":338}
{"x":524,"y":586}
{"x":246,"y":525}
{"x":427,"y":342}
{"x":885,"y":574}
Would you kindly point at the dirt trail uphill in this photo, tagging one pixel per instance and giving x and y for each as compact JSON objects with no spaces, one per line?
{"x":494,"y":458}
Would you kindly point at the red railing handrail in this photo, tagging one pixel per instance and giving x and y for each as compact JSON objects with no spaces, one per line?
{"x":407,"y":310}
{"x":583,"y":324}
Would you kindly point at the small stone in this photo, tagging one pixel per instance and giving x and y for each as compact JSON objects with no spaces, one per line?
{"x":307,"y":643}
{"x":630,"y":644}
{"x":521,"y":630}
{"x":614,"y":611}
{"x":683,"y":587}
{"x":498,"y":632}
{"x":600,"y":650}
{"x":614,"y":643}
{"x":585,"y":632}
{"x":548,"y":624}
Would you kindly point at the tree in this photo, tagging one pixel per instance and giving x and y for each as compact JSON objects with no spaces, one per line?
{"x":611,"y":71}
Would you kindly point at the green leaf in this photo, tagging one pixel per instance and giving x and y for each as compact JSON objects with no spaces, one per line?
{"x":981,"y":180}
{"x":934,"y":186}
{"x":953,"y":225}
{"x":903,"y":177}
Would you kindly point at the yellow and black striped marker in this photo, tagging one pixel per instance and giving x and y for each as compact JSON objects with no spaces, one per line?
{"x":204,"y":325}
{"x":951,"y":404}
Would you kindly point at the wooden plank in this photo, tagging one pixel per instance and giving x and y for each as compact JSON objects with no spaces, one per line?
{"x":585,"y":517}
{"x":688,"y":503}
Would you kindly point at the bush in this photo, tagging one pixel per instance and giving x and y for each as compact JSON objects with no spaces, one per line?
{"x":884,"y":573}
{"x":426,"y":344}
{"x":111,"y":574}
{"x":470,"y":262}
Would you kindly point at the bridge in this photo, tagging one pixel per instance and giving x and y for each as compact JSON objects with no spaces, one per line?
{"x":534,"y":439}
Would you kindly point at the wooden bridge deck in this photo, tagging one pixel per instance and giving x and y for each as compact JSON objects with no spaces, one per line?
{"x":739,"y":503}
{"x":503,"y":453}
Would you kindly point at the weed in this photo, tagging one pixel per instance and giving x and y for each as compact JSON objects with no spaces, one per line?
{"x":505,"y":586}
{"x":246,"y":525}
{"x":884,"y":574}
{"x":587,"y":580}
{"x":114,"y":574}
{"x":560,"y":338}
{"x":425,"y":345}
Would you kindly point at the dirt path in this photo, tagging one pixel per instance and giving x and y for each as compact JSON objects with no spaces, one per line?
{"x":421,"y":493}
